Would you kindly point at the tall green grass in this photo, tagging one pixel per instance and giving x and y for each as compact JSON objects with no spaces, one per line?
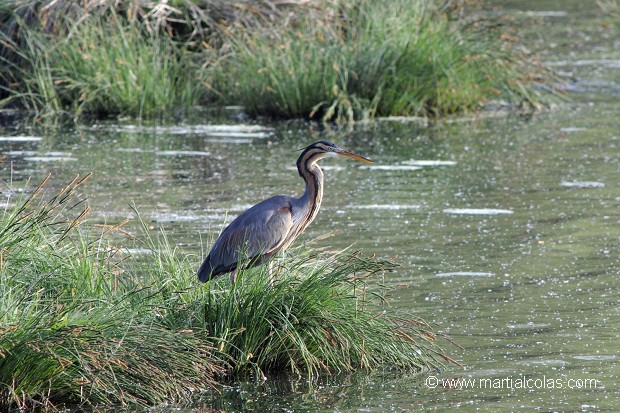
{"x":82,"y":321}
{"x":121,"y":66}
{"x":100,"y":65}
{"x":401,"y":59}
{"x":73,"y":329}
{"x":343,"y":61}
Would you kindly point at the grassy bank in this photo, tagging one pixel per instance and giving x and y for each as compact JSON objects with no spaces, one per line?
{"x":83,"y":321}
{"x":95,"y":63}
{"x":405,"y":59}
{"x":329,"y":60}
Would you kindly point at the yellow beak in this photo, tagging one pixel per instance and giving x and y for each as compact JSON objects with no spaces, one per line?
{"x":346,"y":154}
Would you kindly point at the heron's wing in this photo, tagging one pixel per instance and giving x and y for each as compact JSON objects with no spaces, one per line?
{"x":254,"y":235}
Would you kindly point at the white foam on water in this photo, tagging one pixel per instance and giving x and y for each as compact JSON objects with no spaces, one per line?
{"x":20,"y":153}
{"x":242,"y":130}
{"x":465,"y":274}
{"x":230,"y":141}
{"x":172,"y":217}
{"x":182,"y":153}
{"x":59,"y":154}
{"x":391,"y":167}
{"x":20,"y":138}
{"x":527,"y":326}
{"x":582,"y":184}
{"x":429,"y":162}
{"x":49,"y":159}
{"x":386,"y":206}
{"x":130,"y":150}
{"x":596,"y":357}
{"x":256,"y":135}
{"x":232,"y":128}
{"x":546,"y":13}
{"x":477,"y":211}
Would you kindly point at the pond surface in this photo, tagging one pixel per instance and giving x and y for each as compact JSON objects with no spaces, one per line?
{"x":507,"y":228}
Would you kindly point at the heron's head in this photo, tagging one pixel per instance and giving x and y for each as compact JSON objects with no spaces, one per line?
{"x":322,"y":149}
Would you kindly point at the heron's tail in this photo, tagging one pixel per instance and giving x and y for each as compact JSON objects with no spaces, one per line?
{"x":205,"y":272}
{"x":209,"y":271}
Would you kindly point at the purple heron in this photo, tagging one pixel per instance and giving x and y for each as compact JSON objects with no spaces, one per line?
{"x":270,"y":226}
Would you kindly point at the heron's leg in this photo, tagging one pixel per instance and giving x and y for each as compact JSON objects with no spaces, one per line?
{"x":233,"y":276}
{"x":271,"y":274}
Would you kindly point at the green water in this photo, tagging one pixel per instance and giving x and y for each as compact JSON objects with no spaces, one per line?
{"x":510,"y":243}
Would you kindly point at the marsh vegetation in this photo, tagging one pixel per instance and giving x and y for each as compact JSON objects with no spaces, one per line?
{"x":88,"y":316}
{"x":326,"y":60}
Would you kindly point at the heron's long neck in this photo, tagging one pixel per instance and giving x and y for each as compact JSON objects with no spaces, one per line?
{"x":313,"y":176}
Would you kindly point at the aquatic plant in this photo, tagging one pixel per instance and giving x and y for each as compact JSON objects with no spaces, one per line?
{"x":101,"y":65}
{"x":72,"y":330}
{"x":342,"y":61}
{"x":82,"y":321}
{"x":405,"y":59}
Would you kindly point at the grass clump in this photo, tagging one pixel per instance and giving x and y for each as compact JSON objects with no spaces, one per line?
{"x":319,"y":318}
{"x":102,"y":64}
{"x":345,"y":61}
{"x":73,"y":330}
{"x":405,"y":59}
{"x":121,"y":67}
{"x":82,"y":322}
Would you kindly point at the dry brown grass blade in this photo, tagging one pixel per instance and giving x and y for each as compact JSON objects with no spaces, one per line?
{"x":37,"y":191}
{"x":117,"y":227}
{"x":454,"y":343}
{"x":66,"y":188}
{"x":74,"y":223}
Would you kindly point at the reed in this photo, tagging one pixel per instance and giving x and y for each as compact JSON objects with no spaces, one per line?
{"x":101,"y":65}
{"x":341,"y":61}
{"x":84,"y":322}
{"x":71,"y":330}
{"x":405,"y":59}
